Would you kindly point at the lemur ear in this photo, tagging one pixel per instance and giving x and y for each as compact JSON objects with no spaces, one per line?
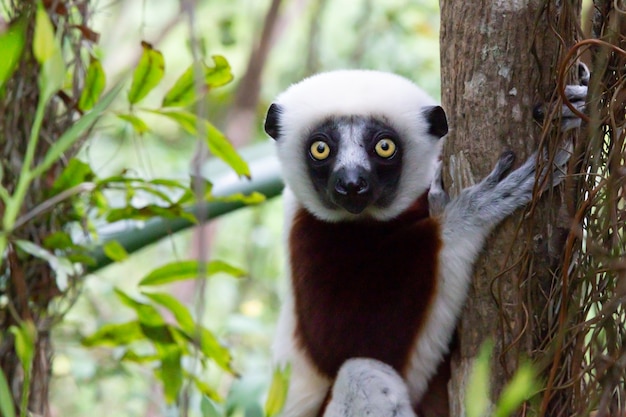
{"x":272,"y":121}
{"x":436,"y":118}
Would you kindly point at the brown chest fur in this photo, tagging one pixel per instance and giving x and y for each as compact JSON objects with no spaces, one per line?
{"x":363,"y":289}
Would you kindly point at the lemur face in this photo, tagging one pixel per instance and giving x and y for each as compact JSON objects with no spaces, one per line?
{"x":354,"y":162}
{"x":356,"y":144}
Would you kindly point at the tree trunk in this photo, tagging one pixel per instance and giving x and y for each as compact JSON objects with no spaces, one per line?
{"x":498,"y":59}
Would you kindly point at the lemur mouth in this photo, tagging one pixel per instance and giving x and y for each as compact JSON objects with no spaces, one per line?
{"x":353,"y":205}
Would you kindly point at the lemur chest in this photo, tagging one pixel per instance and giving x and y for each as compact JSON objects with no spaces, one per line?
{"x":362,"y":289}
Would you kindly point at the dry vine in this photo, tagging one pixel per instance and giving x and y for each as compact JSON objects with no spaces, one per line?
{"x":578,"y":323}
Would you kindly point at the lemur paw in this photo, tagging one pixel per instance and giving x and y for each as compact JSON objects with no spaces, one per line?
{"x":367,"y":387}
{"x":498,"y":195}
{"x":438,"y":198}
{"x":520,"y":184}
{"x":576,"y":95}
{"x":504,"y":164}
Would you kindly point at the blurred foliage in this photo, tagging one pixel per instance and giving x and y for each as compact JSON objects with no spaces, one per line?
{"x":521,"y":387}
{"x":138,"y":163}
{"x":78,"y":184}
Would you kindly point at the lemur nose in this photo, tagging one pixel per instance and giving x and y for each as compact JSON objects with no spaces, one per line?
{"x":351,"y":182}
{"x":359,"y":186}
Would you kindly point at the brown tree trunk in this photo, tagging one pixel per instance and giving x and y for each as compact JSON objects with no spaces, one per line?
{"x":497,"y":60}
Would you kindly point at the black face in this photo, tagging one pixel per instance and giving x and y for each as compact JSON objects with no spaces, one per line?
{"x":354,"y":162}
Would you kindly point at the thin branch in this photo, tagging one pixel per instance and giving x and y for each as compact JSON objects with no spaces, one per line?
{"x":52,"y":202}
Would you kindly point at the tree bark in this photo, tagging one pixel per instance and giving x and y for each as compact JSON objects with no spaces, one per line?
{"x":498,"y":59}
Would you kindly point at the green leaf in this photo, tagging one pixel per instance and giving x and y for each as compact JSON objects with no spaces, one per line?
{"x":182,"y":270}
{"x":44,"y":41}
{"x":74,"y":133}
{"x":132,"y":356}
{"x":94,"y":85}
{"x":180,"y":312}
{"x":11,"y":47}
{"x":76,"y":172}
{"x":138,"y":124}
{"x":25,"y":336}
{"x":149,"y":211}
{"x":203,"y":387}
{"x":168,"y":183}
{"x":186,"y":120}
{"x":61,"y":266}
{"x":223,"y":149}
{"x":147,"y":314}
{"x":151,"y":322}
{"x":220,"y":74}
{"x":254,"y":198}
{"x":216,"y":141}
{"x":7,"y":409}
{"x":206,"y":187}
{"x":171,"y":373}
{"x":211,"y":348}
{"x":51,"y":76}
{"x":115,"y":335}
{"x":58,"y":240}
{"x":521,"y":387}
{"x":148,"y":73}
{"x":82,"y":258}
{"x":185,"y":91}
{"x":278,"y":391}
{"x":477,"y":397}
{"x":208,"y":408}
{"x":163,"y":336}
{"x":115,"y":251}
{"x":209,"y":345}
{"x":48,"y":53}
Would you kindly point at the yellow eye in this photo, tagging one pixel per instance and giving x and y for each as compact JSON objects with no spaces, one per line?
{"x":385,"y":148}
{"x":320,"y":150}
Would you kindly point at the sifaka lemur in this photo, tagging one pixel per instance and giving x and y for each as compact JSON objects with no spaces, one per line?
{"x":374,"y":274}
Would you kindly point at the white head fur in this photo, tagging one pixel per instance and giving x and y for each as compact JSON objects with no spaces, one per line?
{"x":388,"y":97}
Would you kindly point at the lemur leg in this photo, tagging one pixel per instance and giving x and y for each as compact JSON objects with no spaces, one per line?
{"x":367,"y":387}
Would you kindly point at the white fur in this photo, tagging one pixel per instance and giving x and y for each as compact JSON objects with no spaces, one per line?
{"x":367,"y":387}
{"x":357,"y":92}
{"x":307,"y":387}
